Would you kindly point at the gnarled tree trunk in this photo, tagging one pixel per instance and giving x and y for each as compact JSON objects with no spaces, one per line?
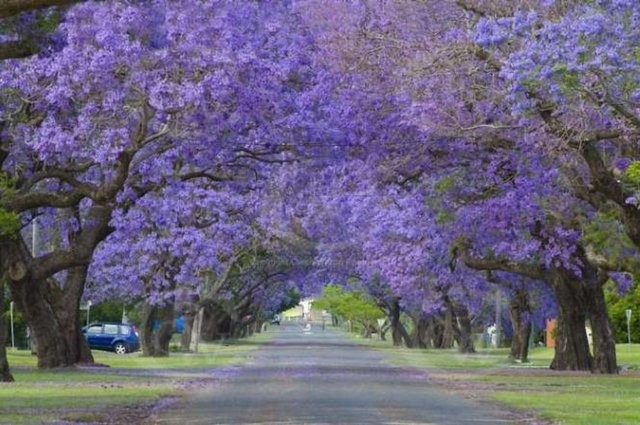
{"x":463,"y":331}
{"x":53,"y":315}
{"x":577,"y":299}
{"x":572,"y":345}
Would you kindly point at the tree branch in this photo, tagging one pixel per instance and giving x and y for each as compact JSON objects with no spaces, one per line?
{"x":461,"y":251}
{"x":15,"y":7}
{"x":16,"y":49}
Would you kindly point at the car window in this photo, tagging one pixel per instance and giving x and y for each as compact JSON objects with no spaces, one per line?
{"x":111,"y":329}
{"x":124,"y":329}
{"x":94,"y":329}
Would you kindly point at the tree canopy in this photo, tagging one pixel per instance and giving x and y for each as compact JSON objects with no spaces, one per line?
{"x":228,"y":155}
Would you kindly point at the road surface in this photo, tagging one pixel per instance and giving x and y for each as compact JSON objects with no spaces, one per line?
{"x":319,"y":377}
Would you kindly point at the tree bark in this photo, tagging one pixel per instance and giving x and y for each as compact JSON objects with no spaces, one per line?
{"x":420,"y":331}
{"x":464,"y":331}
{"x":155,"y":343}
{"x":448,"y":338}
{"x":189,"y":313}
{"x":383,"y":331}
{"x":436,"y":332}
{"x":519,"y":309}
{"x":604,"y":344}
{"x":147,"y":317}
{"x":53,"y":315}
{"x":197,"y":330}
{"x":572,"y":345}
{"x":398,"y":331}
{"x":431,"y":337}
{"x":5,"y":372}
{"x":163,"y":335}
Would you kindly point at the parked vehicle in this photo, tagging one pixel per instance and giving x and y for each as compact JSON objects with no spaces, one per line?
{"x":117,"y":337}
{"x":275,"y":320}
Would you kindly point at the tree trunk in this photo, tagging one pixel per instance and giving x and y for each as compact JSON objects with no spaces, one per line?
{"x":163,"y":335}
{"x":398,"y":331}
{"x":197,"y":330}
{"x":419,"y":334}
{"x":436,"y":332}
{"x":604,"y":345}
{"x":233,"y":329}
{"x":147,"y":317}
{"x":464,"y":331}
{"x":572,"y":345}
{"x":519,"y":309}
{"x":5,"y":373}
{"x":189,"y":312}
{"x":156,"y":343}
{"x":448,"y":337}
{"x":383,"y":331}
{"x":431,"y":333}
{"x":53,"y":315}
{"x":215,"y":323}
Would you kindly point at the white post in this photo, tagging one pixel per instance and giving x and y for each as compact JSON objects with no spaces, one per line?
{"x":628,"y":313}
{"x":13,"y":338}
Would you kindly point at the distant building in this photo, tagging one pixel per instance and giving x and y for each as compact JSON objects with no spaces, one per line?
{"x":304,"y":311}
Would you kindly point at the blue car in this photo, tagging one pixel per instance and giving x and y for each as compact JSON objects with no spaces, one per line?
{"x":117,"y":337}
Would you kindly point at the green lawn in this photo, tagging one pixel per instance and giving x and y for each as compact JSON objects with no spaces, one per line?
{"x":90,"y":394}
{"x":570,"y":398}
{"x":573,"y":400}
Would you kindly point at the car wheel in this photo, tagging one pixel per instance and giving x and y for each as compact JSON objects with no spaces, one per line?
{"x":119,"y":348}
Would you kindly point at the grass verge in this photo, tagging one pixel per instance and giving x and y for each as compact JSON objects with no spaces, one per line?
{"x":127,"y":389}
{"x":568,"y":398}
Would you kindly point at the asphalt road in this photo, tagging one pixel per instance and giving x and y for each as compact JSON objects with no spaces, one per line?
{"x":320,"y":377}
